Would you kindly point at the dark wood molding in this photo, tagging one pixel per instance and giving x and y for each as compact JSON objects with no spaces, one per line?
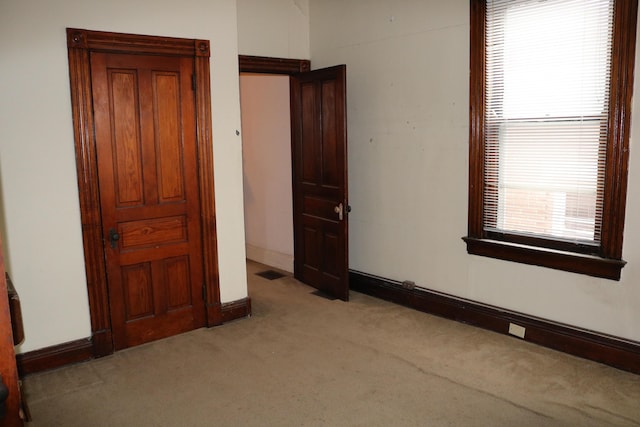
{"x":267,"y":65}
{"x":86,"y":165}
{"x":207,"y":189}
{"x":622,"y":73}
{"x":102,"y":41}
{"x":80,"y":44}
{"x":55,"y":356}
{"x":214,"y":314}
{"x":617,"y":352}
{"x":476,"y":117}
{"x":202,"y":48}
{"x":560,"y":260}
{"x":102,"y":342}
{"x":236,"y":309}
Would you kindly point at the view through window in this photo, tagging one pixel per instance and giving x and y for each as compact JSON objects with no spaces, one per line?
{"x":547,"y":109}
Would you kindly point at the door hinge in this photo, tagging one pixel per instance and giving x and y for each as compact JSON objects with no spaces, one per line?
{"x":193,"y":82}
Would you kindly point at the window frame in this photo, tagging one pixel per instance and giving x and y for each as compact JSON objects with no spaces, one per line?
{"x":603,"y":260}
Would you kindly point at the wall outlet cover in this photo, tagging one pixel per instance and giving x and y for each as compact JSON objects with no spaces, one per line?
{"x":517,"y":330}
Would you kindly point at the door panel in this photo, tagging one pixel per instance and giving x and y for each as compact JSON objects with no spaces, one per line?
{"x":127,"y":165}
{"x":319,"y":140}
{"x":153,"y":232}
{"x":176,"y":271}
{"x":137,"y":290}
{"x":149,"y":195}
{"x":167,"y":129}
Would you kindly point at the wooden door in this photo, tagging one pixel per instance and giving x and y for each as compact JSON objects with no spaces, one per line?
{"x":8,"y":369}
{"x":145,"y":132}
{"x":320,"y":204}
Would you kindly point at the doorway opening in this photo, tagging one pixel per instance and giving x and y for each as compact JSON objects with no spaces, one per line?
{"x":318,"y":170}
{"x":266,"y":165}
{"x":266,"y":157}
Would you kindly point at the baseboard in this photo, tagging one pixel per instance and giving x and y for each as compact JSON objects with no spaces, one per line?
{"x":610,"y":350}
{"x":82,"y":350}
{"x":236,"y":309}
{"x":270,"y":258}
{"x":55,"y":356}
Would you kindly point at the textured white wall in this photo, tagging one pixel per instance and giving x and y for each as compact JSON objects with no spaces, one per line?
{"x":408,"y":69}
{"x":266,"y":148}
{"x":276,"y":28}
{"x":37,"y":163}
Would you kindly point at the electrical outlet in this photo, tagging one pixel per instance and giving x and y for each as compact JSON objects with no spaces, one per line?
{"x":517,"y":330}
{"x":408,"y":284}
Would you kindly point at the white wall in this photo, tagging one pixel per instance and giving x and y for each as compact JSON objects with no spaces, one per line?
{"x":276,"y":28}
{"x":266,"y":152}
{"x":280,"y":29}
{"x":408,"y":69}
{"x":37,"y":163}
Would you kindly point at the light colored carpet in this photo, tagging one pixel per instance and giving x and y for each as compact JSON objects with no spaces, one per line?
{"x":302,"y":360}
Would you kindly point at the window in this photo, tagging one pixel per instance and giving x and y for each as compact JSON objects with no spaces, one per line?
{"x":550,"y":95}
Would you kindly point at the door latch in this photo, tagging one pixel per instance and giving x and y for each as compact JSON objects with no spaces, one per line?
{"x":113,"y":237}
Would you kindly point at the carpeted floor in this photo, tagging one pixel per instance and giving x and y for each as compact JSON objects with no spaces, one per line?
{"x":304,"y":360}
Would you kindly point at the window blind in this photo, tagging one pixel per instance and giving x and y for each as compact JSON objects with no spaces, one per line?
{"x":546,"y":116}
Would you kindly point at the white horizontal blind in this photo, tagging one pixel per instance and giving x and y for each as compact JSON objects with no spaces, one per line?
{"x":546,"y":109}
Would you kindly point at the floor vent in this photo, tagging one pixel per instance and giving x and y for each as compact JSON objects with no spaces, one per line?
{"x":270,"y":274}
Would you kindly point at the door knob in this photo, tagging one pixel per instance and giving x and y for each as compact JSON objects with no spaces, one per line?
{"x":113,"y":237}
{"x":340,"y":211}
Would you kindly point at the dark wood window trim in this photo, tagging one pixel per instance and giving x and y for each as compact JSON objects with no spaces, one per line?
{"x":80,"y":45}
{"x":606,"y":260}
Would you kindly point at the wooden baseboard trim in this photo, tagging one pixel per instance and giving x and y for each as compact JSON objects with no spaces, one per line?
{"x":610,"y":350}
{"x":83,"y":349}
{"x":55,"y":356}
{"x":236,"y":309}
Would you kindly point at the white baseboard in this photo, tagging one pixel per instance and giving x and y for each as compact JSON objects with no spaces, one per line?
{"x":270,"y":258}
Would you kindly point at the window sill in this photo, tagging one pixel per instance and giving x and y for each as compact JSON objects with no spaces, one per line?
{"x":560,"y":260}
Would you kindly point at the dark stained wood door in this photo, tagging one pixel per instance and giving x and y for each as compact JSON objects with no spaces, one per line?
{"x":319,"y":146}
{"x":145,"y":127}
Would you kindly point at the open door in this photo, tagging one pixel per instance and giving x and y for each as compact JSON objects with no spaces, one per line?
{"x":320,"y":202}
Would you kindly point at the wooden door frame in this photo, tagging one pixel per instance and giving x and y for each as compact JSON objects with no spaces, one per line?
{"x":278,"y":66}
{"x":285,"y":66}
{"x":268,"y":65}
{"x":80,"y":44}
